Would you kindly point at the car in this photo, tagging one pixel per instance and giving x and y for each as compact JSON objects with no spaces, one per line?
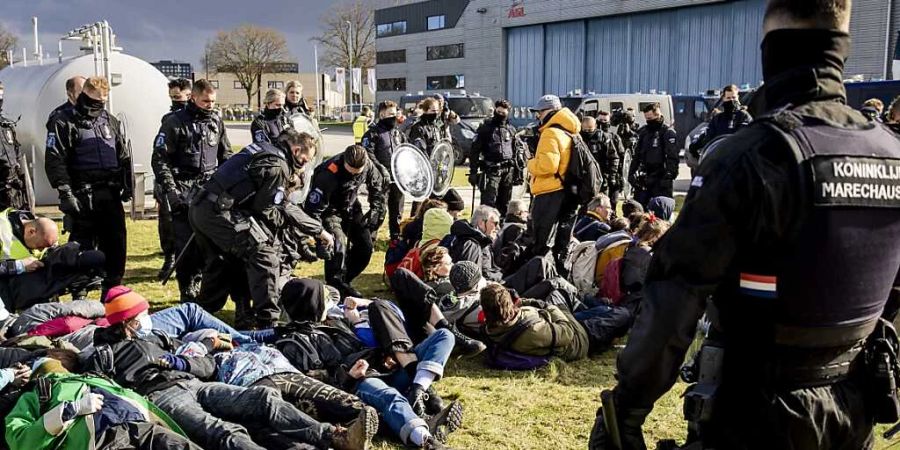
{"x":352,"y":111}
{"x":472,"y":110}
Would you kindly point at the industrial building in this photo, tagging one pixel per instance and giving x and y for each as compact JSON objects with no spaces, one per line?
{"x":175,"y":69}
{"x":521,"y":49}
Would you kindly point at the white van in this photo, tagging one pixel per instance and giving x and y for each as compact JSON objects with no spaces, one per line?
{"x":591,"y":104}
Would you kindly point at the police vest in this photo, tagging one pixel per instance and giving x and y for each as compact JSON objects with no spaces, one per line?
{"x":500,"y":148}
{"x":654,"y":147}
{"x":233,"y":177}
{"x":96,"y":146}
{"x":273,"y":128}
{"x":359,"y":128}
{"x":828,"y":287}
{"x":201,"y":153}
{"x":12,"y":247}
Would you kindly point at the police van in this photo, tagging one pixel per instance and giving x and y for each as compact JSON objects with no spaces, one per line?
{"x":590,"y":104}
{"x":472,"y":109}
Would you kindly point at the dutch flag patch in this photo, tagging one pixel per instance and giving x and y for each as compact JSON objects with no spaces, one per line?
{"x":762,"y":286}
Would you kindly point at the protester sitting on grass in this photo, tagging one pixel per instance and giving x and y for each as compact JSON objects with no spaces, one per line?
{"x":473,"y":241}
{"x":436,"y":265}
{"x":595,"y":220}
{"x":636,"y":260}
{"x":662,"y":207}
{"x":514,"y":224}
{"x":411,"y":233}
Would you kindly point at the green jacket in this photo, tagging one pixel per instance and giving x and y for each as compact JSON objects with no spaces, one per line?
{"x":28,"y":429}
{"x":571,"y":338}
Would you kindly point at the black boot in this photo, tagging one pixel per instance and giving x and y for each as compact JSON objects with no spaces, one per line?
{"x":464,"y":347}
{"x":168,"y":264}
{"x":434,"y":403}
{"x":417,"y":397}
{"x":446,"y":421}
{"x":345,"y":289}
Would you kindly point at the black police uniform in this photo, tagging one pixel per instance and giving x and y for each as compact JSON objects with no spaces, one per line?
{"x":87,"y":157}
{"x":425,"y":134}
{"x":655,"y":165}
{"x":165,"y":227}
{"x":494,"y":154}
{"x":268,"y":125}
{"x":380,"y":141}
{"x":627,"y":131}
{"x":333,"y":199}
{"x":793,"y":231}
{"x":722,"y":124}
{"x":606,"y":147}
{"x":12,"y":174}
{"x":189,"y":147}
{"x":235,"y":216}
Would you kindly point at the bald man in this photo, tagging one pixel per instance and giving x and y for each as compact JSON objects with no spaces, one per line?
{"x":33,"y":269}
{"x":74,"y":86}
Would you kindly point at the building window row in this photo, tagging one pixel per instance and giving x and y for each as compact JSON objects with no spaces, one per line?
{"x":390,"y":29}
{"x":391,"y":84}
{"x":276,"y":84}
{"x":390,"y":57}
{"x":451,"y":51}
{"x":214,"y":83}
{"x":436,"y":22}
{"x":445,"y":82}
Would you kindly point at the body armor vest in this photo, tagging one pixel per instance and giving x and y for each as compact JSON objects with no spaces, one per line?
{"x":501,"y":145}
{"x":233,"y":176}
{"x":200,"y":154}
{"x":96,"y":147}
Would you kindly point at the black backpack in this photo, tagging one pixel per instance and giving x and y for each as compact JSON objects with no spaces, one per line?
{"x":583,"y":179}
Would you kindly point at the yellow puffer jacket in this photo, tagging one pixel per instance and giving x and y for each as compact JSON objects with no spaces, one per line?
{"x":552,"y":157}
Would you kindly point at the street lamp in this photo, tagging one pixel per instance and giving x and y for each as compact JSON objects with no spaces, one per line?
{"x":350,"y":69}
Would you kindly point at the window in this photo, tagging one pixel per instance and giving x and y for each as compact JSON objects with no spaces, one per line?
{"x":390,"y":57}
{"x":276,"y":84}
{"x":446,"y":82}
{"x":390,"y":29}
{"x":238,"y":85}
{"x":700,"y":110}
{"x":214,"y":83}
{"x":435,"y":22}
{"x":642,"y":105}
{"x":391,"y":84}
{"x":680,"y":107}
{"x":445,"y":52}
{"x":591,"y":108}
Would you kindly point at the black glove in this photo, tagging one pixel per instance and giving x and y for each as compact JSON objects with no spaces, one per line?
{"x":175,"y":200}
{"x":374,"y":219}
{"x":68,"y":204}
{"x":473,"y":177}
{"x":126,"y":196}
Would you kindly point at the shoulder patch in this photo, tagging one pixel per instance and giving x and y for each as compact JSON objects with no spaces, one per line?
{"x":333,"y":167}
{"x":51,"y":140}
{"x":160,"y":140}
{"x":260,"y":136}
{"x":671,"y":140}
{"x":365,"y":141}
{"x":697,"y":182}
{"x":279,"y":196}
{"x":314,"y":197}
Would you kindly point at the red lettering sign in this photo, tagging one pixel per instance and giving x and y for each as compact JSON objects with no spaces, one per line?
{"x":516,"y":11}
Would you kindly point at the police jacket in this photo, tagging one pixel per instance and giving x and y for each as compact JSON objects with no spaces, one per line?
{"x":257,"y":180}
{"x":607,"y":149}
{"x":82,"y":150}
{"x":133,"y":362}
{"x":191,"y":143}
{"x":268,"y":125}
{"x":771,"y":234}
{"x":381,"y":141}
{"x":656,"y":152}
{"x":470,"y":244}
{"x":426,"y":135}
{"x":11,"y":171}
{"x":723,"y":123}
{"x":67,"y":105}
{"x":333,"y":191}
{"x":296,"y":108}
{"x":494,"y":144}
{"x":627,"y":132}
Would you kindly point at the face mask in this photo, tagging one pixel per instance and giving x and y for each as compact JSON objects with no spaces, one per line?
{"x":588,"y":134}
{"x":198,"y":110}
{"x":500,"y":118}
{"x":429,"y":117}
{"x":146,"y":326}
{"x":604,"y":126}
{"x":272,"y":113}
{"x":177,"y":105}
{"x":88,"y":106}
{"x":389,"y":122}
{"x":729,"y":106}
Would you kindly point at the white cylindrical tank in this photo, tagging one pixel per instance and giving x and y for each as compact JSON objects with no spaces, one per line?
{"x":138,"y":94}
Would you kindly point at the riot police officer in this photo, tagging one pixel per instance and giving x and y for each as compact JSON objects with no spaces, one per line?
{"x":179,"y":94}
{"x":236,"y":216}
{"x":272,"y":120}
{"x":294,"y":102}
{"x":189,"y":147}
{"x":88,"y":162}
{"x":428,"y":131}
{"x":13,"y":190}
{"x":333,"y":199}
{"x":731,"y":119}
{"x":655,"y":165}
{"x":626,"y":129}
{"x":495,"y":152}
{"x":799,"y":354}
{"x":606,"y":148}
{"x":74,"y":86}
{"x":380,"y":140}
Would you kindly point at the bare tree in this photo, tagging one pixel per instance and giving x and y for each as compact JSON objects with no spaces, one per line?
{"x":338,"y":48}
{"x":7,"y":42}
{"x":247,"y":51}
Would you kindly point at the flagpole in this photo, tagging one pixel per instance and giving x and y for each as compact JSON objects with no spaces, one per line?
{"x":318,"y":96}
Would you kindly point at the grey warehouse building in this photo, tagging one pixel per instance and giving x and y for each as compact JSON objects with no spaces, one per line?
{"x":521,"y":49}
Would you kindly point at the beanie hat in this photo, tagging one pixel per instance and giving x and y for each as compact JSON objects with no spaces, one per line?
{"x":124,"y":304}
{"x":45,"y":366}
{"x":454,"y":201}
{"x":303,"y":299}
{"x":464,"y":276}
{"x":436,"y":224}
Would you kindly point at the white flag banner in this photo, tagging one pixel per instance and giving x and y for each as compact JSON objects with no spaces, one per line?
{"x":340,"y":75}
{"x":356,"y":80}
{"x":370,"y":77}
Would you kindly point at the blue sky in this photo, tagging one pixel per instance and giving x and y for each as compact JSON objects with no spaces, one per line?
{"x":166,"y":29}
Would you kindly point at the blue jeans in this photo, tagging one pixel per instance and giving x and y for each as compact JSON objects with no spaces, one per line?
{"x":385,"y":394}
{"x":187,"y":317}
{"x":594,"y":312}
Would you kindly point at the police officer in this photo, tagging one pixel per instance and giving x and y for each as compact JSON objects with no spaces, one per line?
{"x":88,"y":163}
{"x":235,"y":216}
{"x":333,"y":199}
{"x":728,"y":121}
{"x":74,"y":86}
{"x":626,"y":129}
{"x":428,"y":131}
{"x":607,"y":149}
{"x":655,"y":165}
{"x":179,"y":94}
{"x":494,"y":154}
{"x":361,"y":124}
{"x":380,"y":141}
{"x":13,"y":190}
{"x":294,"y":102}
{"x":189,"y":147}
{"x":272,"y":120}
{"x":770,"y":231}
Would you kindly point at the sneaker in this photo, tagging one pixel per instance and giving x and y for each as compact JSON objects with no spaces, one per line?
{"x":433,"y":404}
{"x":359,"y":435}
{"x":433,"y":444}
{"x":417,"y":397}
{"x":167,"y":266}
{"x":446,"y":421}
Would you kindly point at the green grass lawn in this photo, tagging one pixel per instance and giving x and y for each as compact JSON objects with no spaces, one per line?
{"x":552,"y":407}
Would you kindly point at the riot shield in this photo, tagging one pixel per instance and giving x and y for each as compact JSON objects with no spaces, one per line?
{"x":443,"y":166}
{"x":412,"y":172}
{"x":305,"y":124}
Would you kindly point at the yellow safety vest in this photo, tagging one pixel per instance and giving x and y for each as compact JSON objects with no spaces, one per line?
{"x":360,"y":125}
{"x":12,"y":247}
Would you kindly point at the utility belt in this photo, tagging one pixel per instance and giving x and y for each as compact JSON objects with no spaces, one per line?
{"x":251,"y":235}
{"x":192,"y":175}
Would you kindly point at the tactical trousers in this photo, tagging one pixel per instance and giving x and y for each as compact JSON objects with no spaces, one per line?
{"x":13,"y":198}
{"x":165,"y":227}
{"x":189,"y":269}
{"x":496,"y":189}
{"x":314,"y":398}
{"x":550,"y":225}
{"x":353,"y":248}
{"x":101,"y":226}
{"x":395,"y":210}
{"x":656,"y":187}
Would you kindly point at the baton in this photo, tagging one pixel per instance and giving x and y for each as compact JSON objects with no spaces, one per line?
{"x":178,"y":259}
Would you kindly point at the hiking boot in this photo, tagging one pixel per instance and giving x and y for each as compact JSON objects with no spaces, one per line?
{"x":433,"y":404}
{"x":446,"y":421}
{"x":346,"y":289}
{"x":433,"y":444}
{"x":359,"y":435}
{"x":167,"y":266}
{"x":417,"y":396}
{"x":466,"y":347}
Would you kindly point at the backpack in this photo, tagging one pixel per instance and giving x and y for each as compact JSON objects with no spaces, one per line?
{"x":612,"y":253}
{"x":309,"y":348}
{"x":501,"y":355}
{"x":393,"y":256}
{"x":412,"y":261}
{"x":583,"y":177}
{"x":587,"y":264}
{"x":611,"y":286}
